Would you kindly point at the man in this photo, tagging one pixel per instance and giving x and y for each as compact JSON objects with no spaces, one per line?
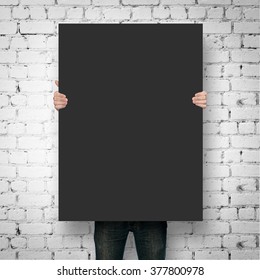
{"x":110,"y":237}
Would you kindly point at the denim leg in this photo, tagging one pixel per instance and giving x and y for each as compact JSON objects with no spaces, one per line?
{"x":110,"y":239}
{"x":150,"y":240}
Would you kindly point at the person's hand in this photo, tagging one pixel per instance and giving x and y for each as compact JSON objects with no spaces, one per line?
{"x":60,"y":101}
{"x":200,"y":99}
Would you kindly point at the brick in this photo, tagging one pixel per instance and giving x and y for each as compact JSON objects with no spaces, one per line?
{"x":246,"y":2}
{"x":211,"y":255}
{"x":245,"y":141}
{"x":214,"y":142}
{"x":232,"y":41}
{"x":19,"y":157}
{"x":249,"y":70}
{"x":21,"y":12}
{"x":232,"y":70}
{"x":16,"y":214}
{"x":142,"y":13}
{"x":244,"y":98}
{"x":217,"y":27}
{"x":35,"y":228}
{"x":34,"y":214}
{"x":244,"y":199}
{"x":5,"y":13}
{"x":75,"y":13}
{"x":211,"y":85}
{"x":6,"y":114}
{"x":161,"y":12}
{"x":9,"y":2}
{"x":251,"y":14}
{"x":34,"y":255}
{"x":213,"y":156}
{"x":56,"y":13}
{"x":7,"y":228}
{"x":215,"y":171}
{"x":71,"y":228}
{"x":18,"y":242}
{"x":213,"y":70}
{"x":71,"y":255}
{"x":117,"y":13}
{"x":245,"y":56}
{"x":231,"y":155}
{"x":7,"y":199}
{"x":245,"y":255}
{"x":234,"y":13}
{"x":215,"y":13}
{"x":18,"y":71}
{"x":246,"y":128}
{"x":246,"y":214}
{"x":245,"y":170}
{"x":237,"y":184}
{"x":246,"y":27}
{"x":72,"y":241}
{"x":244,"y":227}
{"x":7,"y":56}
{"x":140,"y":2}
{"x":214,"y":2}
{"x":92,"y":13}
{"x":34,"y":200}
{"x":36,"y":243}
{"x":179,"y":227}
{"x":215,"y":114}
{"x":174,"y":2}
{"x":178,"y":13}
{"x":245,"y":84}
{"x":228,"y":128}
{"x":18,"y":185}
{"x":228,"y":214}
{"x":37,"y":2}
{"x":38,"y":13}
{"x":34,"y":171}
{"x":251,"y":41}
{"x":215,"y":200}
{"x":7,"y":27}
{"x":37,"y":27}
{"x":250,"y":156}
{"x":74,"y":2}
{"x":55,"y":242}
{"x":105,"y":2}
{"x":216,"y":56}
{"x":197,"y":12}
{"x":176,"y":242}
{"x":3,"y":243}
{"x":211,"y":227}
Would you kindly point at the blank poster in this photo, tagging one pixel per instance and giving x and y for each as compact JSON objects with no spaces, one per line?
{"x":130,"y":138}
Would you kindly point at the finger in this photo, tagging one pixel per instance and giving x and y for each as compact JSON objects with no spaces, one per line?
{"x":199,"y":102}
{"x":203,"y":97}
{"x":60,"y":103}
{"x":59,"y":107}
{"x":57,"y":83}
{"x":201,"y":93}
{"x":200,"y":105}
{"x":59,"y":97}
{"x":57,"y":93}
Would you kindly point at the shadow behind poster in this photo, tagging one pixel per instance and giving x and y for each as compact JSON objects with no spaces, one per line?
{"x":130,"y":138}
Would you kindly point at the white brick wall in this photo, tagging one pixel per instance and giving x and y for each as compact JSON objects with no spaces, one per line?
{"x":28,"y":129}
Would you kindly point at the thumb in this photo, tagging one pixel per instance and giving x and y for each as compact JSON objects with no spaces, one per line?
{"x":57,"y":83}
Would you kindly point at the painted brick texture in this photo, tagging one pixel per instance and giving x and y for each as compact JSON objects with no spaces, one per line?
{"x":29,"y":124}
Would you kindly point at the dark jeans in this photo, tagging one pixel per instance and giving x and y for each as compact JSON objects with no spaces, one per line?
{"x":150,"y":239}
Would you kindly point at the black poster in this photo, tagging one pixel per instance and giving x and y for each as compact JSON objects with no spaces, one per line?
{"x":130,"y":138}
